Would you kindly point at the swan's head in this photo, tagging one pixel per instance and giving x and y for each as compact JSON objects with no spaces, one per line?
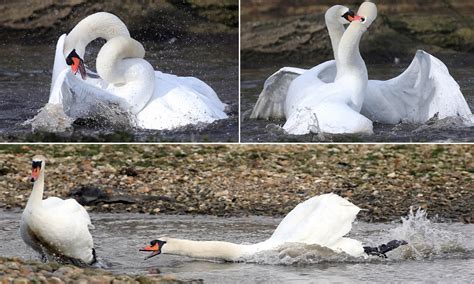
{"x":366,"y":14}
{"x":77,"y":63}
{"x":154,"y":247}
{"x":38,"y":164}
{"x":339,"y":14}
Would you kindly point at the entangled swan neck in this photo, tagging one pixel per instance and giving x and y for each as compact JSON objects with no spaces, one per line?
{"x":99,"y":25}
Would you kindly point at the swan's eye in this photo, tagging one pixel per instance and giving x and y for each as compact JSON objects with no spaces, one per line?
{"x":362,"y":20}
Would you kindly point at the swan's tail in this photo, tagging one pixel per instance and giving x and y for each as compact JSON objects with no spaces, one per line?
{"x":383,"y":249}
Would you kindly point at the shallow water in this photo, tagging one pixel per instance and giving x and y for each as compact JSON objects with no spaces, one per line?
{"x":25,"y":78}
{"x":447,"y":130}
{"x":438,"y":252}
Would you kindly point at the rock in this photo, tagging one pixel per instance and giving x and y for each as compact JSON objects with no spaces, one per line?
{"x":55,"y":280}
{"x":20,"y":281}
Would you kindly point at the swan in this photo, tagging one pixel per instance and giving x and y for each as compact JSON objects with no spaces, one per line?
{"x":154,"y":100}
{"x":56,"y":228}
{"x":323,"y":220}
{"x":271,"y":102}
{"x":333,"y":107}
{"x":423,"y":90}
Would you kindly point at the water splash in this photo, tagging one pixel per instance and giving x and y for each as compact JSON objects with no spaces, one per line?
{"x":53,"y":118}
{"x":50,"y":118}
{"x":426,"y":240}
{"x":300,"y":254}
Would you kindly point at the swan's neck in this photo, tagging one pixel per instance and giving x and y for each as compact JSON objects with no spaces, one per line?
{"x":110,"y":65}
{"x":37,"y":194}
{"x":206,"y":249}
{"x":98,"y":25}
{"x":350,"y":60}
{"x":336,"y":31}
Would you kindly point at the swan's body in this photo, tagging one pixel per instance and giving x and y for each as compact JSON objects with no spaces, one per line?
{"x":423,"y":90}
{"x":333,"y":107}
{"x":154,"y":99}
{"x":322,"y":220}
{"x":56,"y":228}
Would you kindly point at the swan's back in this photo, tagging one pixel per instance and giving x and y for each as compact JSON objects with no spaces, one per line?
{"x":322,"y":220}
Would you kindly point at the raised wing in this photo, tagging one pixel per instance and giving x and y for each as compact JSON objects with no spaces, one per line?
{"x":423,"y":90}
{"x":271,"y":102}
{"x":322,"y":220}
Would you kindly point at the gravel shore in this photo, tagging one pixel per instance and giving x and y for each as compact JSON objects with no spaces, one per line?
{"x":236,"y":180}
{"x":17,"y":271}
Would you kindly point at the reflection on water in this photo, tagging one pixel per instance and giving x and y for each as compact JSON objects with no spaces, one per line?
{"x":447,"y":130}
{"x":25,"y":79}
{"x":118,"y":237}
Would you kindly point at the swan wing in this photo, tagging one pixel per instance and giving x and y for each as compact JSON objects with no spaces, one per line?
{"x":311,"y":86}
{"x":81,"y":98}
{"x":270,"y":103}
{"x":177,"y":102}
{"x":322,"y":220}
{"x":423,"y":90}
{"x":59,"y":61}
{"x":68,"y":206}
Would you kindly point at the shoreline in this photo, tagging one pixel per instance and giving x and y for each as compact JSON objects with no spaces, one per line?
{"x":17,"y":270}
{"x":235,"y":180}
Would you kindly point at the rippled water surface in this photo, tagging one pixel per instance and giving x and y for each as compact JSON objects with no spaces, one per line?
{"x":447,"y":130}
{"x":25,"y":79}
{"x":438,"y":252}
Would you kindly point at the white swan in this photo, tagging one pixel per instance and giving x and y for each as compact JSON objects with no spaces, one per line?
{"x":323,"y":220}
{"x":333,"y":107}
{"x":271,"y":102}
{"x":56,"y":228}
{"x":156,"y":100}
{"x":423,"y":90}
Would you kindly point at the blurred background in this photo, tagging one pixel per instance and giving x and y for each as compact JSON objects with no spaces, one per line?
{"x":41,"y":19}
{"x":402,"y":25}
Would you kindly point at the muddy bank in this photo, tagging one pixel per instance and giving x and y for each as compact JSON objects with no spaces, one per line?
{"x":42,"y":21}
{"x":253,"y":10}
{"x":305,"y":39}
{"x":241,"y":180}
{"x":15,"y":270}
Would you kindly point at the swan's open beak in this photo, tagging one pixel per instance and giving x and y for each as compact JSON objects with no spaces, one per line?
{"x":78,"y":65}
{"x":155,"y":249}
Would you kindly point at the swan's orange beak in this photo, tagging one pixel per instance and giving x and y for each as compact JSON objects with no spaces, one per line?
{"x":154,"y":247}
{"x":78,"y":65}
{"x":357,"y":18}
{"x":35,"y":173}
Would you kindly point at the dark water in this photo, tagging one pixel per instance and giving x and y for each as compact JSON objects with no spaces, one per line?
{"x":448,"y":130}
{"x":437,"y":252}
{"x":25,"y":78}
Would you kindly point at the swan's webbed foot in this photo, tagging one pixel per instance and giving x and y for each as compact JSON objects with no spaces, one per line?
{"x":384,"y":248}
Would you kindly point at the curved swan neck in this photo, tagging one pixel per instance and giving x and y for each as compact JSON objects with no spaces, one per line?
{"x":205,"y":249}
{"x":109,"y":60}
{"x":349,"y":53}
{"x":99,"y":25}
{"x":36,"y":195}
{"x":336,"y":31}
